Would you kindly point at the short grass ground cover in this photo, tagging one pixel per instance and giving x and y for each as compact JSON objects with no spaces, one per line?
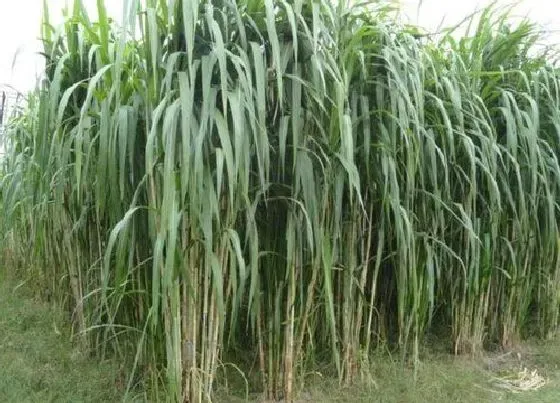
{"x":445,"y":378}
{"x":441,"y":378}
{"x":38,"y":363}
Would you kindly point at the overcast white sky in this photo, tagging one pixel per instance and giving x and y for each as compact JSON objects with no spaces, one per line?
{"x":20,"y":23}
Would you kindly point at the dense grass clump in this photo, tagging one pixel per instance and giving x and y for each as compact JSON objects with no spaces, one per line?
{"x":287,"y":183}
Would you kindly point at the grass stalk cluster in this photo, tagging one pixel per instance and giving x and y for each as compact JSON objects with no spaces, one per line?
{"x":295,"y":180}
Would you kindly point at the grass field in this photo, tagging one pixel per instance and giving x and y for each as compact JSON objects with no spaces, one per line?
{"x":38,"y":363}
{"x":443,"y":378}
{"x":274,"y":189}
